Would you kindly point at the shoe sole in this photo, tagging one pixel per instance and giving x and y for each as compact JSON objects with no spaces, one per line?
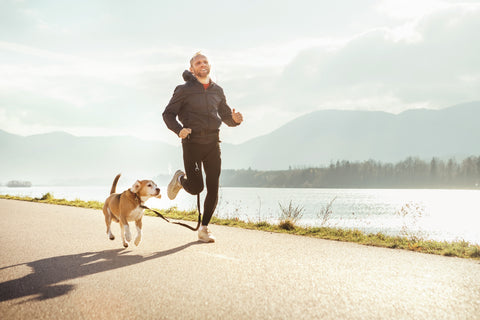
{"x":174,"y":187}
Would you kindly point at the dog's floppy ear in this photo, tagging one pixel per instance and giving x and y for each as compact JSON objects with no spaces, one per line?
{"x":136,"y":187}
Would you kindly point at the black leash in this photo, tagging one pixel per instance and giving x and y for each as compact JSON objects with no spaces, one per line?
{"x":179,"y":223}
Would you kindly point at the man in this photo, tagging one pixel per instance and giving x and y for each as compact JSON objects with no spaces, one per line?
{"x":200,"y":106}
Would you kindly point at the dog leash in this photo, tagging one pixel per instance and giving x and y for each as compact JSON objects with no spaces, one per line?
{"x":179,"y":223}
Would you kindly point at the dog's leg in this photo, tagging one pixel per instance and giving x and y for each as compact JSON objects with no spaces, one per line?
{"x":122,"y":232}
{"x":138,"y":239}
{"x":126,"y":234}
{"x":108,"y":222}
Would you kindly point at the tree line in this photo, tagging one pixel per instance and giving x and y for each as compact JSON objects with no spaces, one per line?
{"x":409,"y":173}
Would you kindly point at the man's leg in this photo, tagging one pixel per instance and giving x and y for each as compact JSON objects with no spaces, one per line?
{"x":212,"y":164}
{"x":192,"y":179}
{"x":192,"y":161}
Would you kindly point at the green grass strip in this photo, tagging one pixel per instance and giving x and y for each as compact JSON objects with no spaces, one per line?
{"x":461,"y":249}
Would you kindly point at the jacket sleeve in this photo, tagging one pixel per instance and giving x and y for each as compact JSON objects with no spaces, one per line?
{"x":225,"y":112}
{"x":172,"y":110}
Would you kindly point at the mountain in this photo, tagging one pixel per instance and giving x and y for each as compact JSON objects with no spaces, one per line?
{"x":321,"y":137}
{"x":61,"y":158}
{"x":315,"y":139}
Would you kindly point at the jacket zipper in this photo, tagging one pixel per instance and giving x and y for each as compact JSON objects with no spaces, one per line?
{"x":206,"y":106}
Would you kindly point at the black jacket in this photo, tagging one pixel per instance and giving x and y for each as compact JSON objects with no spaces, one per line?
{"x":198,"y":109}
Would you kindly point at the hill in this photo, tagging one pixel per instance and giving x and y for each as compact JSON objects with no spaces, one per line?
{"x":313,"y":140}
{"x":322,"y":137}
{"x":61,"y":158}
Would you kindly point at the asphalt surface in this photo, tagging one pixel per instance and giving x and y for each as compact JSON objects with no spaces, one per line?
{"x":57,"y":263}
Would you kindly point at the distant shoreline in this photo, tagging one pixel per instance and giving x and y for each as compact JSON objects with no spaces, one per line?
{"x":18,"y":184}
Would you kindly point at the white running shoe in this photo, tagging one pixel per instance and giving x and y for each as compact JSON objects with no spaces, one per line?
{"x":174,"y":186}
{"x":205,"y":235}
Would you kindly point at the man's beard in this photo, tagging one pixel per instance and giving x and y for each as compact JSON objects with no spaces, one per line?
{"x":202,"y":74}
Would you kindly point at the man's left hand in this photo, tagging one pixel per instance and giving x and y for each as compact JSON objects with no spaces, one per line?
{"x":237,"y":116}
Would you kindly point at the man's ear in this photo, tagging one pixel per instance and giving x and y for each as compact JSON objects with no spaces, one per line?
{"x":136,"y":187}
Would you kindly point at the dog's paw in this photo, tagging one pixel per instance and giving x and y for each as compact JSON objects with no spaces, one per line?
{"x":125,"y":244}
{"x":138,"y":240}
{"x":128,"y":236}
{"x":111,"y":236}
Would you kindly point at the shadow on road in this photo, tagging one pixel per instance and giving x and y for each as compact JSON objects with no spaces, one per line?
{"x":47,"y":273}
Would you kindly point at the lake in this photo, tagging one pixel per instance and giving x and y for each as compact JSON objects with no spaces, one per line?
{"x":432,"y":214}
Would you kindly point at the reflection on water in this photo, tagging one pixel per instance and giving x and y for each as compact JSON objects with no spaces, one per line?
{"x":438,"y":214}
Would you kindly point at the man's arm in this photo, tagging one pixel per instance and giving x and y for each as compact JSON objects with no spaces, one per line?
{"x":232,"y":119}
{"x":172,"y":110}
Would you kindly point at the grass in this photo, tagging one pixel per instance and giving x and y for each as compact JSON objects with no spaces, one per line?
{"x":48,"y":198}
{"x":461,"y":249}
{"x":289,"y":216}
{"x":325,"y":213}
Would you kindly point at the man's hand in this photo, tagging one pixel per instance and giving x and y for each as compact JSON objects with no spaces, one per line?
{"x":237,"y":116}
{"x":184,"y":133}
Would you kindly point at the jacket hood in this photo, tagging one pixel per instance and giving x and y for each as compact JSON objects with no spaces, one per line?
{"x":188,"y":76}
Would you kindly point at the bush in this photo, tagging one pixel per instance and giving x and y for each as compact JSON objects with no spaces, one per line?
{"x":262,"y":224}
{"x":289,"y":216}
{"x":46,"y":197}
{"x":474,"y":252}
{"x":287,"y":225}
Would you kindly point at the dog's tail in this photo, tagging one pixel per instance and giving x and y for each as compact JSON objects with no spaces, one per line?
{"x":114,"y":185}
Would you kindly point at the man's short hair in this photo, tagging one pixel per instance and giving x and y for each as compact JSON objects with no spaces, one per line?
{"x":197,"y":54}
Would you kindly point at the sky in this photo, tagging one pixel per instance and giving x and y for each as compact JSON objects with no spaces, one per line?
{"x":109,"y":67}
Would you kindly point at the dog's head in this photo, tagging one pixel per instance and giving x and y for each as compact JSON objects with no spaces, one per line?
{"x":145,"y":189}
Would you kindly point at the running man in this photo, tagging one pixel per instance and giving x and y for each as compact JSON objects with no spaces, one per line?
{"x":200,"y":107}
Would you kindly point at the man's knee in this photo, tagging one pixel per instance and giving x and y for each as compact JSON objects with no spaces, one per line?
{"x":196,"y":189}
{"x":193,"y":187}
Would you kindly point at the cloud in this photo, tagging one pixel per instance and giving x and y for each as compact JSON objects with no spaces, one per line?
{"x":112,"y":69}
{"x":41,"y":90}
{"x":377,"y":67}
{"x":410,"y":9}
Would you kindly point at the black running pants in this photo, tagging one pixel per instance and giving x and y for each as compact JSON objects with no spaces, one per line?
{"x":196,"y":156}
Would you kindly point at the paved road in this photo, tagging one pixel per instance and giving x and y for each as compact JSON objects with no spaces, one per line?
{"x":57,"y":263}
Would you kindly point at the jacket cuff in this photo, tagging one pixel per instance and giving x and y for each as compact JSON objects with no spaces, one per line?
{"x":177,"y":130}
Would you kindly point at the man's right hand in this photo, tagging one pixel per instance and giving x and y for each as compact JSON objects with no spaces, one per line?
{"x":184,"y":133}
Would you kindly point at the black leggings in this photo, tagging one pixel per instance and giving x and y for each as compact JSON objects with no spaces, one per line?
{"x":194,"y":155}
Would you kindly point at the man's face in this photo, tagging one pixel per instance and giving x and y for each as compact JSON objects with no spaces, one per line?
{"x":200,"y":67}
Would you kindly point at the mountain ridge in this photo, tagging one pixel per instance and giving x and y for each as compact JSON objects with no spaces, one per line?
{"x":312,"y":140}
{"x":324,"y":136}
